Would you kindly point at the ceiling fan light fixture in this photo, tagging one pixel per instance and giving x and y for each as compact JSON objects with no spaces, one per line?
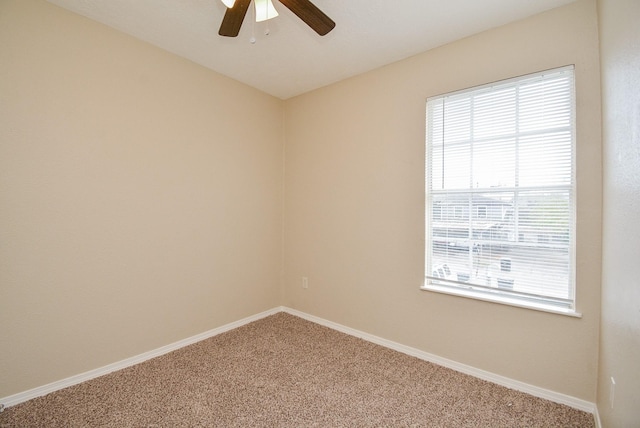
{"x":229,"y":3}
{"x":264,"y":10}
{"x":304,"y":9}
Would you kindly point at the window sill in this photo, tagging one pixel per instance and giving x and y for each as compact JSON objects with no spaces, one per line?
{"x":505,"y":300}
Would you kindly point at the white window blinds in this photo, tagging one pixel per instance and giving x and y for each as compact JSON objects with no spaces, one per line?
{"x":500,"y":191}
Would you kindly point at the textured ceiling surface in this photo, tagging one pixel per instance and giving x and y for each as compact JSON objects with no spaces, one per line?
{"x":293,"y":59}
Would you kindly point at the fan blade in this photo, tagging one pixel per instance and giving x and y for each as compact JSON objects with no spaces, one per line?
{"x":233,"y":18}
{"x":311,"y":15}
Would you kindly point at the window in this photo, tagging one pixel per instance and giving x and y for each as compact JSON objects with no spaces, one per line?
{"x":505,"y":152}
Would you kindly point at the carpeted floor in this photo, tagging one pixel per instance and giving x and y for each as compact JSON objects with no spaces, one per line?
{"x":283,"y":371}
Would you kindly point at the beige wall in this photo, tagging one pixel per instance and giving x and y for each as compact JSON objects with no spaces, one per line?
{"x":137,"y":208}
{"x":354,"y":196}
{"x":620,"y":331}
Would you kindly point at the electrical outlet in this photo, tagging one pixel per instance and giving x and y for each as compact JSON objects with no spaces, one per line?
{"x":305,"y":282}
{"x":612,"y":391}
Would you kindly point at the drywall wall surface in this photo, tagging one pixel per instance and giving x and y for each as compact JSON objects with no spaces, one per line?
{"x":137,"y":207}
{"x":354,"y":206}
{"x":620,"y":331}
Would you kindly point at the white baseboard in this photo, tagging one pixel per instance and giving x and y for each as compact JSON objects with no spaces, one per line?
{"x":482,"y":374}
{"x":596,"y":416}
{"x":577,"y":403}
{"x":21,"y":397}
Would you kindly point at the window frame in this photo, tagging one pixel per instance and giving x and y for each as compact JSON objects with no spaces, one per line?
{"x":519,"y":299}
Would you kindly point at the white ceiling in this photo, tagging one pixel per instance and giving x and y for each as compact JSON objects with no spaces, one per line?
{"x":293,"y":59}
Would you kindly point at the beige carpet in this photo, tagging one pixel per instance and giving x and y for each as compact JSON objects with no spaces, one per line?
{"x":283,"y":371}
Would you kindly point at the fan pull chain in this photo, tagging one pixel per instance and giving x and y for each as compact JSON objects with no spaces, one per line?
{"x":267,"y":30}
{"x":253,"y":26}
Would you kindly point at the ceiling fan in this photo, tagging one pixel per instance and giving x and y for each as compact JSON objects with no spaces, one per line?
{"x":304,"y":9}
